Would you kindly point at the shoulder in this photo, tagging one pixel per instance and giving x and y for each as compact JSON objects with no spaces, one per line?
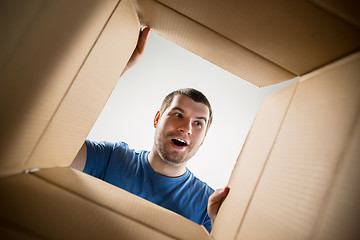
{"x":112,"y":148}
{"x":105,"y":145}
{"x":200,"y":185}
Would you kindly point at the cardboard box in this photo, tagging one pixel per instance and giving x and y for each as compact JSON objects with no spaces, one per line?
{"x":297,"y":174}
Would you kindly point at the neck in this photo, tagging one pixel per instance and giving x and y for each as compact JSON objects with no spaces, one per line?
{"x":163,"y":168}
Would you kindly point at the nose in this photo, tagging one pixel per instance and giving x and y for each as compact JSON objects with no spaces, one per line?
{"x":185,"y":127}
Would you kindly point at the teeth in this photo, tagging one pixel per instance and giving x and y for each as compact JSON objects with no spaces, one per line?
{"x":180,"y":140}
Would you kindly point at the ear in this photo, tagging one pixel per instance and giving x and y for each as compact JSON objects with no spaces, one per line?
{"x":156,"y":119}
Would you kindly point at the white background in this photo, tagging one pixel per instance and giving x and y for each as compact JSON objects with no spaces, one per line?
{"x":129,"y":113}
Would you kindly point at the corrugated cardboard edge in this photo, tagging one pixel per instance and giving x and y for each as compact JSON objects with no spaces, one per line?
{"x":226,"y":227}
{"x":52,"y":212}
{"x":56,"y":207}
{"x":83,"y":102}
{"x":39,"y":69}
{"x":232,"y":57}
{"x":133,"y":207}
{"x":78,"y":109}
{"x":292,"y":202}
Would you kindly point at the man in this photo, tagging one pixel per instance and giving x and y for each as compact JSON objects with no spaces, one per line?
{"x":160,"y":175}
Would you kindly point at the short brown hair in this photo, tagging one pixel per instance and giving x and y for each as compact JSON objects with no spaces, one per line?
{"x":194,"y":94}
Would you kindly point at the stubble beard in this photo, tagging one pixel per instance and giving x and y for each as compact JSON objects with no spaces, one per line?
{"x":173,"y":161}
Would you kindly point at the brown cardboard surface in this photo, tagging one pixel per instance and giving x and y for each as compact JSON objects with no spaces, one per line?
{"x":251,"y":162}
{"x":68,"y":99}
{"x":36,"y":72}
{"x":135,"y":207}
{"x":86,"y":97}
{"x":294,"y":35}
{"x":53,"y":213}
{"x":340,"y":216}
{"x":9,"y":231}
{"x":20,"y":14}
{"x":303,"y":167}
{"x":210,"y":44}
{"x":345,"y":9}
{"x":57,"y":208}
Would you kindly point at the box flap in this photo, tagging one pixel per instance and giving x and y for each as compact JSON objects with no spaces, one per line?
{"x":341,"y":211}
{"x":263,"y":42}
{"x":56,"y":208}
{"x":304,"y":171}
{"x":59,"y":77}
{"x":251,"y":163}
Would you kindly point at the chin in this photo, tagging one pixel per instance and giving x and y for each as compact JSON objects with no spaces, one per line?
{"x":174,"y":162}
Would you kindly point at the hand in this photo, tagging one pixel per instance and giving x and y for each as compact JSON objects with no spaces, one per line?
{"x":215,"y":201}
{"x":139,"y":50}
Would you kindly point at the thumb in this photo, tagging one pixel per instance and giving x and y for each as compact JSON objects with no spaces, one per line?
{"x":219,"y":195}
{"x":215,"y":201}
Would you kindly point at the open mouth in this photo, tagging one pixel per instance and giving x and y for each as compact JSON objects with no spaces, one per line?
{"x":179,"y":142}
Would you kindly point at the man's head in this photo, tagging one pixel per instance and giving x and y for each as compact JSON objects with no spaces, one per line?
{"x":194,"y":94}
{"x":181,"y":125}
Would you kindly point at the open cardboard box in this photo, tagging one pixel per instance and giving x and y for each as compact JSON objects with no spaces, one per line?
{"x":297,"y":174}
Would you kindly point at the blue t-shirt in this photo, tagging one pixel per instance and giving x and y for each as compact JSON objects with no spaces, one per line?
{"x":130,"y":170}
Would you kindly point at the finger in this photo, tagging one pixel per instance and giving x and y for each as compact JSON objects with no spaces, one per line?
{"x":219,"y":195}
{"x":143,"y":39}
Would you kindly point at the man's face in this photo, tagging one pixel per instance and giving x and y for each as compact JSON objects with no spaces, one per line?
{"x":181,"y":130}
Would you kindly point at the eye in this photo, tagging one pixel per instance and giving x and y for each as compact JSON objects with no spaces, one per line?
{"x":198,"y":123}
{"x":178,"y":115}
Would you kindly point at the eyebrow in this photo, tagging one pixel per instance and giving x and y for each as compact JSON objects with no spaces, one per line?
{"x":183,"y":111}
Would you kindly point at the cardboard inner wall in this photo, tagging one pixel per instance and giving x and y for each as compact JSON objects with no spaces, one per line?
{"x":303,"y":167}
{"x":205,"y":42}
{"x":348,"y":10}
{"x":56,"y":208}
{"x":279,"y":38}
{"x":251,"y":162}
{"x":59,"y":76}
{"x":37,"y":72}
{"x":90,"y":89}
{"x":337,"y":221}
